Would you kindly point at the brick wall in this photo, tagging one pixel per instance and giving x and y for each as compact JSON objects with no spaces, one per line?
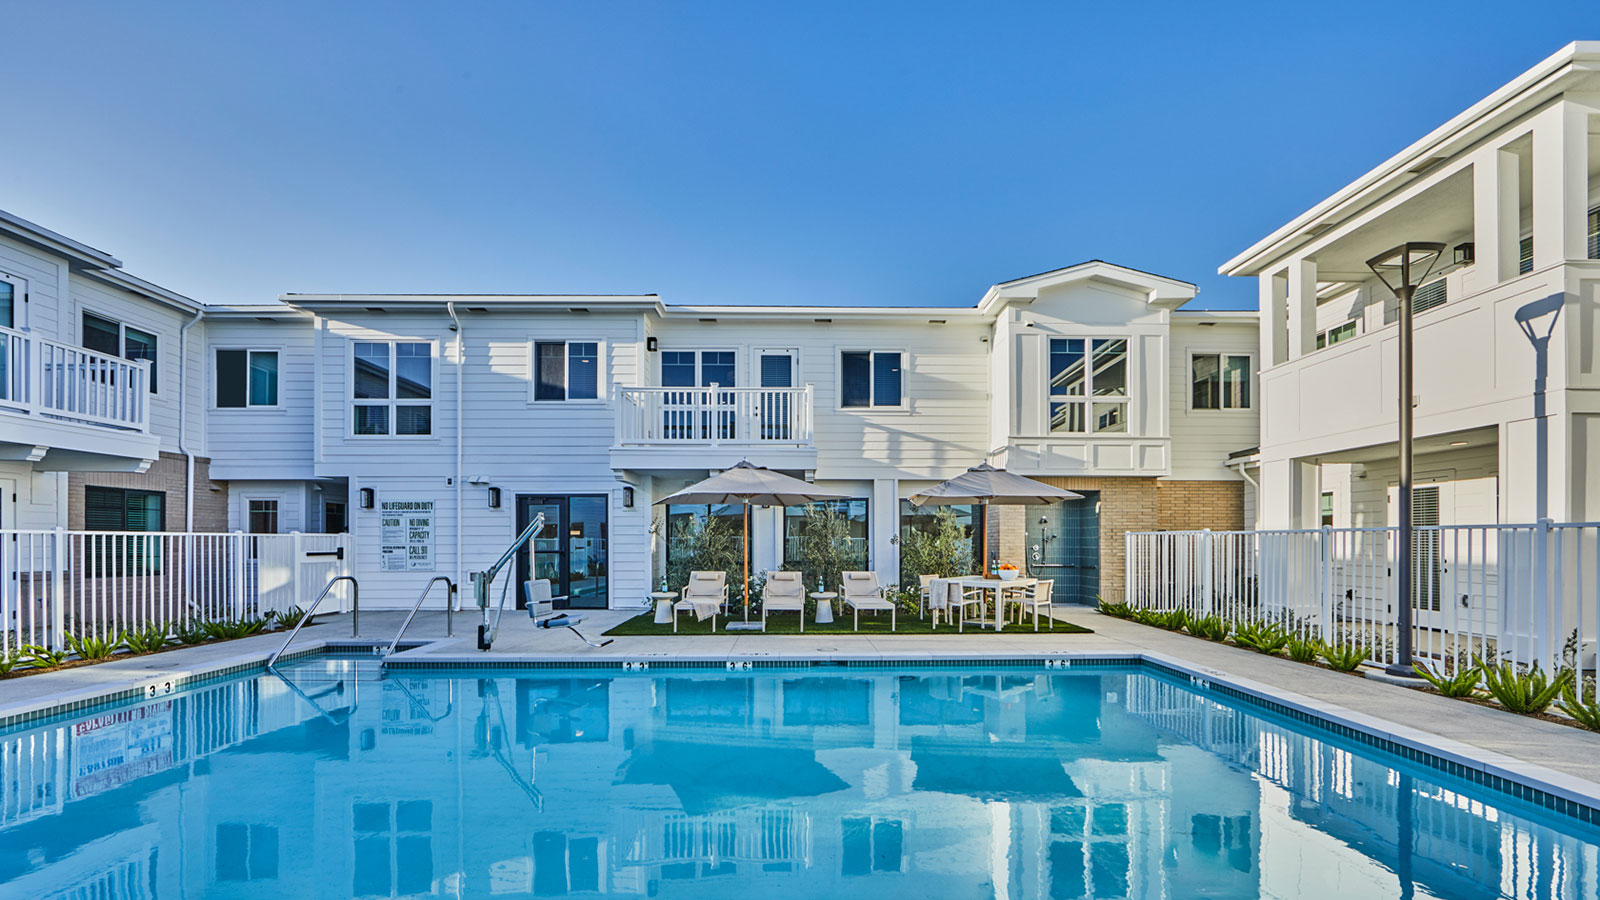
{"x":167,"y":474}
{"x":1126,"y":504}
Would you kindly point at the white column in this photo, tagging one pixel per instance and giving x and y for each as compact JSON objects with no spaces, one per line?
{"x":1302,"y":307}
{"x":884,"y":517}
{"x":1560,"y":184}
{"x":1274,"y":343}
{"x":1496,"y":217}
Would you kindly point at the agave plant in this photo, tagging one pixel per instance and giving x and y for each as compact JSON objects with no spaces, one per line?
{"x":1172,"y":620}
{"x":148,"y":639}
{"x":191,"y":634}
{"x":1212,"y":628}
{"x":1528,"y":693}
{"x":1585,"y":713}
{"x":1115,"y":610}
{"x":89,"y":647}
{"x":1343,"y":657}
{"x":1302,"y":650}
{"x":41,"y":657}
{"x":9,"y":660}
{"x":1268,"y":638}
{"x":291,"y":618}
{"x":1464,"y":683}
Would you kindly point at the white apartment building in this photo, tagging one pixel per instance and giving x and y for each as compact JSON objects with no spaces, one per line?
{"x":1512,"y":187}
{"x":130,"y":408}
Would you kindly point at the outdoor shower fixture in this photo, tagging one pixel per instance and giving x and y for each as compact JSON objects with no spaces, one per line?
{"x":1403,"y":269}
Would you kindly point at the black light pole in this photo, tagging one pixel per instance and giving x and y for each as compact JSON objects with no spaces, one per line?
{"x":1403,"y":269}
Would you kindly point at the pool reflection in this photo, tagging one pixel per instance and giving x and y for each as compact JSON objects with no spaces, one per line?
{"x":1085,"y":784}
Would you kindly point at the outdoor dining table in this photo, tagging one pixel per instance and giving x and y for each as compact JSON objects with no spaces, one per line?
{"x":999,"y":586}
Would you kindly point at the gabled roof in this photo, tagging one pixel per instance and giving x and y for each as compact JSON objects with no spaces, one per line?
{"x":1159,"y":290}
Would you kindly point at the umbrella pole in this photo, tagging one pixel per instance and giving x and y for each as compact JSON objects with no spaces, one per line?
{"x":747,"y":560}
{"x":983,"y":564}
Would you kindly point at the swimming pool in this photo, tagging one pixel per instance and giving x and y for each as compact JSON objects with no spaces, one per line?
{"x":1098,"y":782}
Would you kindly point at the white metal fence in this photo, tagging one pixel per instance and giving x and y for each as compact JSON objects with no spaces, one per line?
{"x":100,"y":583}
{"x":1520,"y":593}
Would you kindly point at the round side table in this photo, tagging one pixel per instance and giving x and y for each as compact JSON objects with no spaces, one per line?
{"x":824,"y":606}
{"x":663,"y":601}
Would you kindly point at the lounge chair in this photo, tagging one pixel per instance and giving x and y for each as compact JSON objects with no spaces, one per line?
{"x":862,"y":591}
{"x":785,"y":592}
{"x":1034,"y":597}
{"x":705,"y":594}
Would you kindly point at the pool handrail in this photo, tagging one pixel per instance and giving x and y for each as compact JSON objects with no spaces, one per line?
{"x":449,"y":610}
{"x":355,"y":613}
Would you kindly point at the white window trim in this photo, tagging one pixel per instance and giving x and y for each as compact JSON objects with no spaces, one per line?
{"x":248,"y":406}
{"x":19,"y":301}
{"x":244,"y":511}
{"x":602,"y":371}
{"x":122,"y":340}
{"x":350,"y":400}
{"x":1088,"y":399}
{"x":872,"y":363}
{"x":794,"y":359}
{"x":1250,"y":367}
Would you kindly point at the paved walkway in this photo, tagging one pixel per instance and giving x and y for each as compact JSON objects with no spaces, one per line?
{"x":1569,"y":751}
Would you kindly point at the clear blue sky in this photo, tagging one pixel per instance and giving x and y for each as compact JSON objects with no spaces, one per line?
{"x":742,"y":152}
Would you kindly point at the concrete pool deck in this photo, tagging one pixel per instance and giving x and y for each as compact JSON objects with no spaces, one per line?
{"x":1561,"y":760}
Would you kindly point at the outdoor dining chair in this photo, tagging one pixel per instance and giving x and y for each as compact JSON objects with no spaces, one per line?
{"x":925,"y":597}
{"x":959,"y":598}
{"x":1035,"y":596}
{"x":785,"y":592}
{"x":705,"y":591}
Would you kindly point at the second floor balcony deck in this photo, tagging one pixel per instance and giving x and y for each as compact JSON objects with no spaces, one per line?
{"x":55,"y":396}
{"x":697,"y":427}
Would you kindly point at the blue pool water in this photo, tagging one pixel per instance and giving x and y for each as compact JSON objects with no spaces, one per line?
{"x":918,"y":783}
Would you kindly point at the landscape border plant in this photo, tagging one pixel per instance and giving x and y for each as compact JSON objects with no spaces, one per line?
{"x":1463,"y":683}
{"x":1526,"y":692}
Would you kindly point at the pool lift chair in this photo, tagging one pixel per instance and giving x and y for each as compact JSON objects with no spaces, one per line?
{"x":543,"y":612}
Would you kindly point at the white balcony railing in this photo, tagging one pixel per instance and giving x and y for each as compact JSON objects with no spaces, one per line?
{"x":50,"y":379}
{"x":714,"y":416}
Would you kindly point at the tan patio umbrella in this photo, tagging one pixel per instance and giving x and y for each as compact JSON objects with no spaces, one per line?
{"x":752,"y":485}
{"x":984,"y":485}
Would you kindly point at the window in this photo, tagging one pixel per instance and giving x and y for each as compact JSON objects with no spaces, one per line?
{"x":1088,"y":392}
{"x":810,"y":531}
{"x":1430,"y":295}
{"x":567,"y":370}
{"x":925,"y":545}
{"x":123,"y":509}
{"x":392,"y":388}
{"x":1525,"y":255}
{"x":1221,"y":381}
{"x":246,"y":852}
{"x":333,"y":517}
{"x":1327,"y":509}
{"x":112,"y":338}
{"x":1336,"y":334}
{"x":870,"y":845}
{"x":247,"y":378}
{"x":263,"y":516}
{"x":11,"y":294}
{"x":869,"y":378}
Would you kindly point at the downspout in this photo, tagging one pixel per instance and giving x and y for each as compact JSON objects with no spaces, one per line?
{"x":183,"y":418}
{"x":461,"y":402}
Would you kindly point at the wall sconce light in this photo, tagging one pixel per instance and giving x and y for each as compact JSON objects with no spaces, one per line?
{"x":650,"y":344}
{"x":627,"y":498}
{"x":494,"y":498}
{"x":369,"y":498}
{"x":1465,"y":253}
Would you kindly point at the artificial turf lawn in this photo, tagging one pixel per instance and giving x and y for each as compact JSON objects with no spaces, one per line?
{"x":789,"y":623}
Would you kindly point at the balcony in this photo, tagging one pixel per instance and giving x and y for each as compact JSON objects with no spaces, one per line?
{"x":713,"y":427}
{"x":87,"y":409}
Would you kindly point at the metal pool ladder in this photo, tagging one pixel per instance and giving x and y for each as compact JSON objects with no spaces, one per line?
{"x":449,"y":610}
{"x":355,"y":614}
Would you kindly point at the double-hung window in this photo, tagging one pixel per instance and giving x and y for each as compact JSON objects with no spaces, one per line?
{"x":1221,"y":380}
{"x":1089,"y":385}
{"x":566,"y":370}
{"x":871,"y":378}
{"x":247,"y":378}
{"x":103,"y":335}
{"x":392,"y":388}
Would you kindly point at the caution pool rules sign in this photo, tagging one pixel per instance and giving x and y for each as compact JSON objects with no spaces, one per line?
{"x":406,"y":535}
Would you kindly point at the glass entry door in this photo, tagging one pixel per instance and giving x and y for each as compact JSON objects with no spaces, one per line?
{"x":569,"y":551}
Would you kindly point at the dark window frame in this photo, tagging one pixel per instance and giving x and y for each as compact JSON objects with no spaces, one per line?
{"x":122,"y":343}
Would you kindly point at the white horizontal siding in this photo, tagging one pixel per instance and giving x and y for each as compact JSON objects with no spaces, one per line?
{"x":30,"y":499}
{"x":262,"y":443}
{"x":44,"y":275}
{"x":1202,"y":439}
{"x":165,"y":323}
